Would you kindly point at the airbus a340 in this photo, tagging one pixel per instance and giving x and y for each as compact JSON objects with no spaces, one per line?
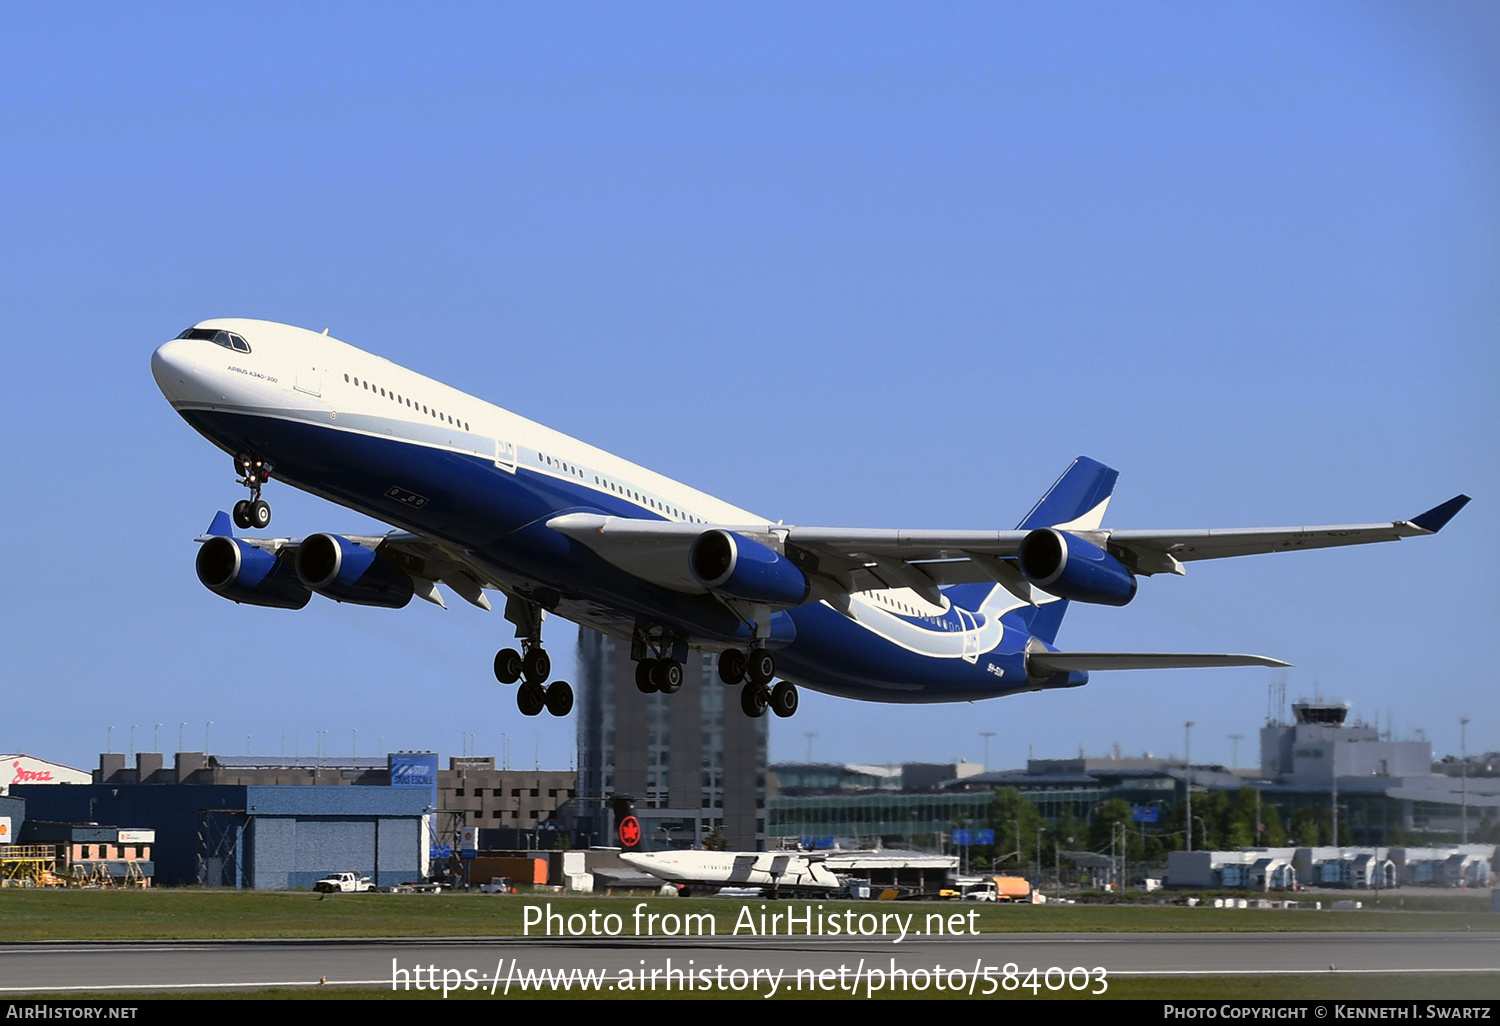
{"x":485,"y":500}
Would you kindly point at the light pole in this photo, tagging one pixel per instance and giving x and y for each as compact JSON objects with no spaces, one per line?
{"x":1187,"y":777}
{"x":1463,"y":755}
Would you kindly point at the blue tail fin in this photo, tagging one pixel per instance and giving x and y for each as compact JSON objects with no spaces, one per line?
{"x":1078,"y":499}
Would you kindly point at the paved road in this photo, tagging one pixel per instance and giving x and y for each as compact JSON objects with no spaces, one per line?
{"x":140,"y":966}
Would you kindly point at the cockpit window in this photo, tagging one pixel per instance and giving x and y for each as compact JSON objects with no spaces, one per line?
{"x":227,"y":339}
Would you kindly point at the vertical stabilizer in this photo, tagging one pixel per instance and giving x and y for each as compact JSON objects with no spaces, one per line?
{"x":1076,"y":501}
{"x":221,"y":526}
{"x":629,"y":833}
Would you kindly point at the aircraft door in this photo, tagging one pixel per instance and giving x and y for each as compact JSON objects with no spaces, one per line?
{"x":310,"y":380}
{"x":971,"y":634}
{"x":505,"y":455}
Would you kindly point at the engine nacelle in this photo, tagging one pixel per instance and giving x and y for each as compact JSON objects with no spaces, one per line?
{"x":346,"y":571}
{"x":240,"y":571}
{"x":743,"y":568}
{"x":1067,"y":566}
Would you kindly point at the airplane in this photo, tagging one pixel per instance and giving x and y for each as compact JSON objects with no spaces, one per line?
{"x":694,"y":870}
{"x":483,"y":500}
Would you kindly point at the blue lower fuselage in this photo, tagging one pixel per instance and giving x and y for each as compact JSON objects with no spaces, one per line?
{"x":497,"y":516}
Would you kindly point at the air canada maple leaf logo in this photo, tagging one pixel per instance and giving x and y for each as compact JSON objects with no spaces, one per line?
{"x":630,"y":831}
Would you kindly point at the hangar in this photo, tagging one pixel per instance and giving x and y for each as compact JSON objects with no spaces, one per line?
{"x":251,"y":836}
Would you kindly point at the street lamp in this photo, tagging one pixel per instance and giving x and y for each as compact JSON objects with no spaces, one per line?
{"x":1187,"y":777}
{"x":1463,"y":755}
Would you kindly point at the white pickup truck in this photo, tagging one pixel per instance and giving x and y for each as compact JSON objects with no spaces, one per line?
{"x":344,"y":883}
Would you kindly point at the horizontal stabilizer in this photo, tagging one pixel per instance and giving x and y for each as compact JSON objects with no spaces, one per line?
{"x":1041,"y":664}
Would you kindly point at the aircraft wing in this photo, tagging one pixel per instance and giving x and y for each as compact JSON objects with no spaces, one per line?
{"x":1146,"y":552}
{"x":861,"y":559}
{"x":1150,"y":547}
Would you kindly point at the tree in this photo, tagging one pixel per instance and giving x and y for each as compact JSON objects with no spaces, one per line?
{"x":1273,"y":834}
{"x":1305,"y":827}
{"x":1105,"y":823}
{"x":1239,"y":829}
{"x":1016,"y":823}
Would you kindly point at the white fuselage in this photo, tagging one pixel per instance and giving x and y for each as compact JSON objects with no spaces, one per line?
{"x":735,"y":869}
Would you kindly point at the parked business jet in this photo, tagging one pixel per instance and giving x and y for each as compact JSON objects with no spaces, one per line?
{"x":485,"y":500}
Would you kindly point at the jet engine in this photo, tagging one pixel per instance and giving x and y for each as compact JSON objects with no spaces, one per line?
{"x":743,"y":568}
{"x":346,"y":571}
{"x":1065,"y":565}
{"x":240,"y":571}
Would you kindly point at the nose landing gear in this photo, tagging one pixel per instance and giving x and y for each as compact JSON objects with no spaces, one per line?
{"x":253,"y":513}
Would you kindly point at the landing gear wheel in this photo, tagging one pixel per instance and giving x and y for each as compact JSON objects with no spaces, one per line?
{"x":537,"y":665}
{"x":559,"y":698}
{"x":732,"y":667}
{"x":242,"y":514}
{"x":260,"y":514}
{"x":784,"y":699}
{"x":753,"y":700}
{"x":531,"y":699}
{"x":508,"y":668}
{"x":666,"y":676}
{"x":762,"y":667}
{"x":643,"y":676}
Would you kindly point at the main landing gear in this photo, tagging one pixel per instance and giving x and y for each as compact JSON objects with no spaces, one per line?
{"x":756,"y":670}
{"x":254,"y":512}
{"x":664,"y":675}
{"x":532,"y":663}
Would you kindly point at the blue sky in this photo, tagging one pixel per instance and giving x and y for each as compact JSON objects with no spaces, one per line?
{"x":874,"y":265}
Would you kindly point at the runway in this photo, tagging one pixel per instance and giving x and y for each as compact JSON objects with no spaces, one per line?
{"x":144,"y":967}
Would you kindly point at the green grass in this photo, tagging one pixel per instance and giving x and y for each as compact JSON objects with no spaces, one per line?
{"x":31,"y":916}
{"x":38,"y":915}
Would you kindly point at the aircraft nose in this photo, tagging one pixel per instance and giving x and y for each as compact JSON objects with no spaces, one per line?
{"x":172,"y":367}
{"x":170,"y":363}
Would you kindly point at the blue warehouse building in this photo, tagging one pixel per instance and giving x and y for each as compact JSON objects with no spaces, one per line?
{"x":261,"y":837}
